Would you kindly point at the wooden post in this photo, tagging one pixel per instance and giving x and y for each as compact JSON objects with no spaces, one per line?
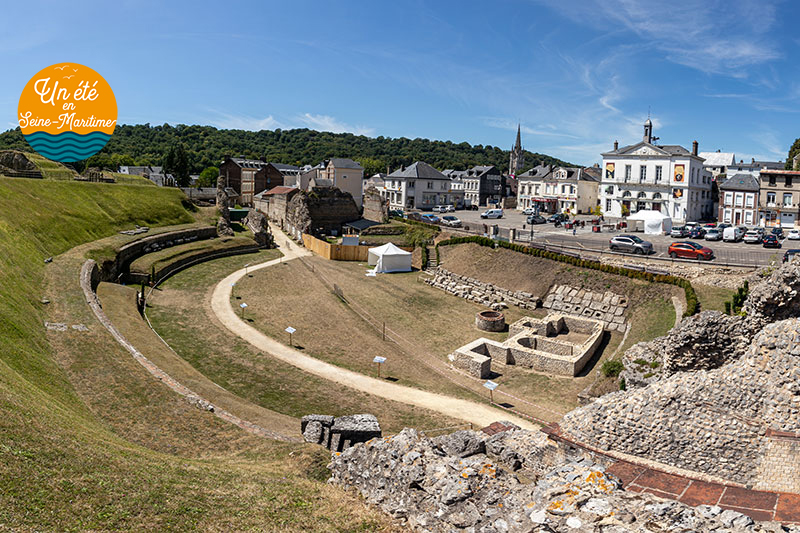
{"x":491,"y":396}
{"x":384,"y":330}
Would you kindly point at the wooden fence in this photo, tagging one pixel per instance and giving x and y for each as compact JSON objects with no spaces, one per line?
{"x":339,"y":252}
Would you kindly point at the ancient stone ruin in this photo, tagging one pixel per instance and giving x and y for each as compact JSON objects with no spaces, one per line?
{"x":479,"y":292}
{"x":558,"y":344}
{"x":256,"y":222}
{"x":493,"y":321}
{"x":340,"y":433}
{"x":514,"y":481}
{"x":224,"y":222}
{"x":605,"y":306}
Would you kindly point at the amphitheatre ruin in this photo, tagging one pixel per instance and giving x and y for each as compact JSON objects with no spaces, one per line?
{"x":159,"y":360}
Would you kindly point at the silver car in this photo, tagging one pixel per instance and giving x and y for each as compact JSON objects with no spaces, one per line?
{"x":630,"y":244}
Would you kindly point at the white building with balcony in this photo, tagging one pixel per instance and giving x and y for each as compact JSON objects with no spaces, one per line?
{"x":666,"y":178}
{"x":547,"y":189}
{"x":420,"y":186}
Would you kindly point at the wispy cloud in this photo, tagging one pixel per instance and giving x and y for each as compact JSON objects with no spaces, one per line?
{"x":233,"y":121}
{"x":329,"y":123}
{"x":510,"y":125}
{"x":713,"y":36}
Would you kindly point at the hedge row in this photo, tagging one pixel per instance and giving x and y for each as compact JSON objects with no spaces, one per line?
{"x":418,"y":223}
{"x":685,"y":284}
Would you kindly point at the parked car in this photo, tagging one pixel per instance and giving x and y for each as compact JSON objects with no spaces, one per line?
{"x":771,"y":241}
{"x":536,"y":219}
{"x":528,"y":211}
{"x":397,"y":213}
{"x":697,"y":232}
{"x":558,"y":217}
{"x":722,"y":226}
{"x":440,"y":209}
{"x":690,"y":250}
{"x":450,"y":208}
{"x":713,"y":234}
{"x":731,"y":234}
{"x":450,"y":220}
{"x":778,"y":232}
{"x":788,"y":255}
{"x":710,"y":225}
{"x":631,"y":244}
{"x":679,"y":231}
{"x":430,"y":219}
{"x":492,"y":213}
{"x":793,"y":235}
{"x":414,"y":216}
{"x":753,"y":237}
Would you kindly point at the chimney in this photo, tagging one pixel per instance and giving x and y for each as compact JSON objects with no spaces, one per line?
{"x":616,"y":145}
{"x":694,"y":147}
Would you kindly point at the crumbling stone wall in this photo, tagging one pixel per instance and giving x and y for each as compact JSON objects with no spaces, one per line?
{"x":320,"y":211}
{"x":513,"y":481}
{"x":606,"y":306}
{"x":340,"y":433}
{"x":479,"y":292}
{"x":256,"y":222}
{"x":709,"y":421}
{"x":376,"y":208}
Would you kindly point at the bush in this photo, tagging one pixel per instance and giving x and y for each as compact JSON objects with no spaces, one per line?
{"x":641,"y":362}
{"x":622,"y":385}
{"x":612,"y":368}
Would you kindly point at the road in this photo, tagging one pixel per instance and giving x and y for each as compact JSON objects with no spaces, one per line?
{"x":725,"y":252}
{"x":475,"y":413}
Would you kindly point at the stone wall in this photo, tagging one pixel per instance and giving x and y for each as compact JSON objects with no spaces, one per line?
{"x":514,"y":481}
{"x":376,"y":208}
{"x":479,"y":292}
{"x":321,"y":210}
{"x":340,"y":433}
{"x":604,"y":306}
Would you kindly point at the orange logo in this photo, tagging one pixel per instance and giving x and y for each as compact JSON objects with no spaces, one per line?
{"x":67,"y":112}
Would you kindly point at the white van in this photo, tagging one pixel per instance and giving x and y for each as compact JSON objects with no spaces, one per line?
{"x":492,"y":213}
{"x":732,"y":234}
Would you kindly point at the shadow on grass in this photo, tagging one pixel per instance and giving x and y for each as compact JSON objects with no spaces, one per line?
{"x":598,"y":353}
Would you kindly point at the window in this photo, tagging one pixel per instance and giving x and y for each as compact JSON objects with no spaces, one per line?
{"x":771,"y":199}
{"x":728,"y":198}
{"x":748,"y":217}
{"x":430,"y":185}
{"x":788,"y":181}
{"x":739,"y":202}
{"x":787,"y":199}
{"x":627,"y":172}
{"x":608,"y":206}
{"x":727,"y":216}
{"x":642,"y":173}
{"x":658,"y":174}
{"x":750,"y":200}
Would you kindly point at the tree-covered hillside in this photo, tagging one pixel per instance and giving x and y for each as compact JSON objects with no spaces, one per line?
{"x":205,"y":146}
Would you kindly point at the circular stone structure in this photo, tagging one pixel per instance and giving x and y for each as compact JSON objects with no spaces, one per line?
{"x":490,"y":321}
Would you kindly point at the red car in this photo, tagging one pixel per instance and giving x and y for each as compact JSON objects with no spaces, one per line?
{"x":690,"y":250}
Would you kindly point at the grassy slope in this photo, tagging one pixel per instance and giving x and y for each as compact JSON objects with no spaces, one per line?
{"x":51,"y":170}
{"x":173,"y":254}
{"x":91,"y":442}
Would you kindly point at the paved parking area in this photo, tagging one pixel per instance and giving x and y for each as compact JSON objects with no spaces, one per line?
{"x":737,"y":253}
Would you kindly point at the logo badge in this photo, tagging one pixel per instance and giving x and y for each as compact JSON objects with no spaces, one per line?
{"x":67,"y":112}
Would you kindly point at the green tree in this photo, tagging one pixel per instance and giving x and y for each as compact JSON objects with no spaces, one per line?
{"x":208,"y":177}
{"x":176,"y":162}
{"x":793,"y":151}
{"x":372,"y":166}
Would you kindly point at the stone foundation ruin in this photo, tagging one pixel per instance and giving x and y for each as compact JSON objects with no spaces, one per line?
{"x":340,"y":433}
{"x":494,"y":321}
{"x":604,"y":306}
{"x":558,"y":344}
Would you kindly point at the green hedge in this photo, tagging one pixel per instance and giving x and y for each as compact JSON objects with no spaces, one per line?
{"x":685,"y":284}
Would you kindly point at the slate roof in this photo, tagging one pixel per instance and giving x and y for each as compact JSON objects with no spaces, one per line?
{"x":345,"y":163}
{"x":537,"y":172}
{"x":740,"y":182}
{"x":281,"y":166}
{"x":418,"y":170}
{"x":248,"y":163}
{"x":671,"y":149}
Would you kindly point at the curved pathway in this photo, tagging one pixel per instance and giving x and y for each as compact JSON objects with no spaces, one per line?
{"x":475,"y":413}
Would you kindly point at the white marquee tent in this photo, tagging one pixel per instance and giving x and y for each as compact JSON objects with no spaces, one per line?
{"x":389,"y":258}
{"x":655,"y":222}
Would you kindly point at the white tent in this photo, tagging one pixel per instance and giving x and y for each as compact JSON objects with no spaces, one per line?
{"x":390,"y":258}
{"x":655,"y":222}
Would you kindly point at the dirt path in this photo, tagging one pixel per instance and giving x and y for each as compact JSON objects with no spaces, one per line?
{"x":472,"y":412}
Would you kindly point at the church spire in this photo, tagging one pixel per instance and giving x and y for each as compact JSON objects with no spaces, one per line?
{"x":516,"y":160}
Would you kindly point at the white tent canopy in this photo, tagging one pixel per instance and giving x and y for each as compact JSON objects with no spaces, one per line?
{"x":655,"y":222}
{"x":389,"y":258}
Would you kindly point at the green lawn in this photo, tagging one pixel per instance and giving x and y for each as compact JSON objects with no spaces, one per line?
{"x":91,"y":441}
{"x":162,"y":258}
{"x":712,"y":298}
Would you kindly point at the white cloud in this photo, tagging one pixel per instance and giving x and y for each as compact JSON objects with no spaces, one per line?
{"x":244,"y":122}
{"x":329,"y":123}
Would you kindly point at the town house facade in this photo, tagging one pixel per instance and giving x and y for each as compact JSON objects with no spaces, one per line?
{"x":420,"y":186}
{"x":547,"y":189}
{"x":779,"y":198}
{"x":666,"y":178}
{"x":739,"y":200}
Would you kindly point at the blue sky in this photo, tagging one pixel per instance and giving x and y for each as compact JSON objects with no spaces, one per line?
{"x":577,"y":74}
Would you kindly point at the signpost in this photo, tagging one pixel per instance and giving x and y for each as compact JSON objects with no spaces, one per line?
{"x":491,"y":385}
{"x":233,"y":290}
{"x":245,"y":269}
{"x":378,"y":359}
{"x":290,"y":330}
{"x":243,"y":306}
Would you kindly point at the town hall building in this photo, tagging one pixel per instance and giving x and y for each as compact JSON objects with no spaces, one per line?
{"x":666,"y":178}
